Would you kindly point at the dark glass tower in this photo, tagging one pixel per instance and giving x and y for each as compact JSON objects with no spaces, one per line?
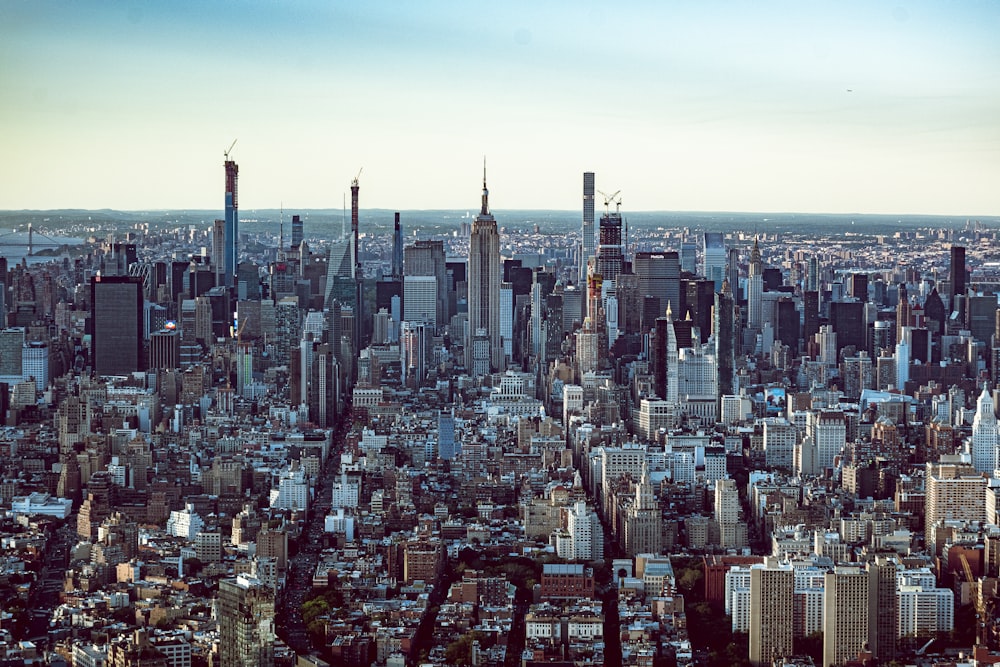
{"x":116,"y":318}
{"x":957,"y":275}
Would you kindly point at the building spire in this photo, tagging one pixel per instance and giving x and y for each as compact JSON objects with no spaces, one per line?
{"x":486,"y":193}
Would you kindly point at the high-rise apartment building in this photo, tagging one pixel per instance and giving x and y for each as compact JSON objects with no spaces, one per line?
{"x":755,"y":289}
{"x":587,"y":232}
{"x":116,"y":321}
{"x":609,"y":245}
{"x":484,"y":284}
{"x":772,"y":588}
{"x":232,"y":228}
{"x":954,"y":490}
{"x":297,"y":231}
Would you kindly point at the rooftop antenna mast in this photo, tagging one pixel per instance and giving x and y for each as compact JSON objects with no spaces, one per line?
{"x":343,"y":220}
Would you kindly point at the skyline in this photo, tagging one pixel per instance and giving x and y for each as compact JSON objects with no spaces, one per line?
{"x":825,"y":108}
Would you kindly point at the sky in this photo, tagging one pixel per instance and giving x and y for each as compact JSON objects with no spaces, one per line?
{"x":837,"y":107}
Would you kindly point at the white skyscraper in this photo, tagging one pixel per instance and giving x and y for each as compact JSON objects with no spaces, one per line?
{"x":984,"y":434}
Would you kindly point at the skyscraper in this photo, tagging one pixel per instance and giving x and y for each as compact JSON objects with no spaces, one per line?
{"x":714,"y":258}
{"x":246,"y":623}
{"x":772,"y":599}
{"x":397,"y":250}
{"x":755,"y":290}
{"x":957,"y":273}
{"x":297,"y":231}
{"x":984,"y":435}
{"x":116,"y":320}
{"x":609,"y":245}
{"x":658,"y":275}
{"x":232,"y":230}
{"x":484,"y":282}
{"x":587,"y":241}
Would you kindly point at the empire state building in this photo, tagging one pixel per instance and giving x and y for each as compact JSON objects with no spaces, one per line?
{"x":484,"y":349}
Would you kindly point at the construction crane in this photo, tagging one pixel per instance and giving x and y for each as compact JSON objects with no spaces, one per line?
{"x":230,"y":149}
{"x":355,"y":181}
{"x":608,"y":199}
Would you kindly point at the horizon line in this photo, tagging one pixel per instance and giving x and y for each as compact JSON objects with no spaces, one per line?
{"x":968,"y":216}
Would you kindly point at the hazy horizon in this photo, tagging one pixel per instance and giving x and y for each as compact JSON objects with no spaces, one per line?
{"x":834,"y":107}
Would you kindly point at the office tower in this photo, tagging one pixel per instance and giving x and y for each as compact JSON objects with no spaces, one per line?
{"x":857,"y":286}
{"x":980,"y":316}
{"x":484,"y":283}
{"x":984,"y":435}
{"x":848,"y":320}
{"x":828,"y":430}
{"x":297,"y":231}
{"x":426,"y":258}
{"x":116,"y":324}
{"x":219,"y":251}
{"x":755,"y":290}
{"x":714,"y":258}
{"x":340,"y":283}
{"x":397,"y":250}
{"x":609,"y":245}
{"x":724,"y":333}
{"x":420,"y":300}
{"x":413,"y":343}
{"x":35,"y":363}
{"x":507,"y":320}
{"x":658,"y":274}
{"x":245,"y":615}
{"x":587,"y":232}
{"x":689,"y":257}
{"x":954,"y":490}
{"x":164,"y":349}
{"x":733,"y":271}
{"x":903,"y":355}
{"x":956,"y":274}
{"x":11,"y":356}
{"x":697,"y":301}
{"x":232,"y":229}
{"x":810,"y":314}
{"x":935,"y":314}
{"x":787,"y":329}
{"x":673,"y":371}
{"x":643,"y":519}
{"x":772,"y":599}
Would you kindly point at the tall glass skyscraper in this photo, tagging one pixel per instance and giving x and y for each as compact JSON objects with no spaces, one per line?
{"x":116,"y":318}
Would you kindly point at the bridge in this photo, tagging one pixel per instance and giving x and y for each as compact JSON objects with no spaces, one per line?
{"x":32,"y":243}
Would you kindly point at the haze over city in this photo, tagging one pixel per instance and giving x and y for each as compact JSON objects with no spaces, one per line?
{"x":818,"y":107}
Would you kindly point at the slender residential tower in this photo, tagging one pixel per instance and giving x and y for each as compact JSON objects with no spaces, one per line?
{"x":232,"y":230}
{"x":587,"y":240}
{"x":755,"y":289}
{"x":397,"y":251}
{"x":484,"y":292}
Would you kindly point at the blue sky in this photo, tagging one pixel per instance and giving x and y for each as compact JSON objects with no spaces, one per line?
{"x":770,"y":106}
